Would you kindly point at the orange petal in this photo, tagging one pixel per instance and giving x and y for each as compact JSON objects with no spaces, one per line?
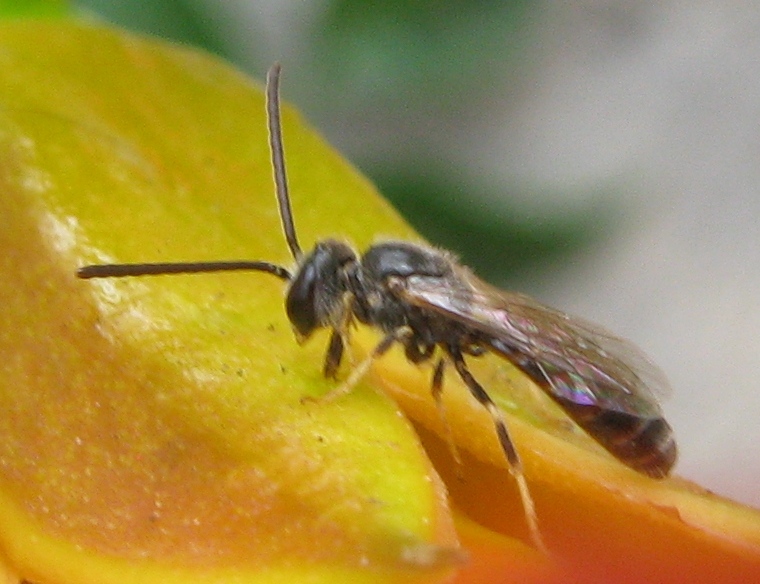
{"x":601,"y":521}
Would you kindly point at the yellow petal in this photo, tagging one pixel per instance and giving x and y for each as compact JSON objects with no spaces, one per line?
{"x":153,"y":429}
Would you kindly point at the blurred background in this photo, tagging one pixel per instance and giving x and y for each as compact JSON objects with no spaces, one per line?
{"x":603,"y":156}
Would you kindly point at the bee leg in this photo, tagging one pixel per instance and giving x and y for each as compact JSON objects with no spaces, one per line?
{"x":515,"y":466}
{"x":436,"y":389}
{"x":334,"y":354}
{"x":361,"y":369}
{"x":339,"y":341}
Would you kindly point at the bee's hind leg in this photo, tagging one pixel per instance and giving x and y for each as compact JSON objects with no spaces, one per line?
{"x":505,"y":441}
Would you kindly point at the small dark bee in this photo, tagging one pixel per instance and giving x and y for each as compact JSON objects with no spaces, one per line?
{"x":422,"y":299}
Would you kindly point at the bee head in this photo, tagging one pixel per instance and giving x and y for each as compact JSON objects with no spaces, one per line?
{"x":316,"y":295}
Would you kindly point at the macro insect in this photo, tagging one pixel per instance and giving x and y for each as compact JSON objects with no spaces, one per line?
{"x":421,"y":299}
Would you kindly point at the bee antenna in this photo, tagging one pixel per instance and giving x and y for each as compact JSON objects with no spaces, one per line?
{"x":278,"y":160}
{"x":283,"y":200}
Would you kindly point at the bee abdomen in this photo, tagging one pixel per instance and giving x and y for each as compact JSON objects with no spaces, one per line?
{"x":644,"y":444}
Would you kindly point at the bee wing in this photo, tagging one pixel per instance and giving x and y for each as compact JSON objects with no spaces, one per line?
{"x":578,"y":361}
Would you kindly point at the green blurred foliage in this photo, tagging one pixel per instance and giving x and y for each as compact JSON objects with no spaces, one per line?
{"x":418,"y":51}
{"x":175,"y":20}
{"x":504,"y":245}
{"x":33,"y":8}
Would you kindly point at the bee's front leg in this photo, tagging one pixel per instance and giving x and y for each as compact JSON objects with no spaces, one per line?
{"x":334,"y":354}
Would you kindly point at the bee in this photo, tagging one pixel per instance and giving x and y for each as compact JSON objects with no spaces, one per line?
{"x":420,"y":298}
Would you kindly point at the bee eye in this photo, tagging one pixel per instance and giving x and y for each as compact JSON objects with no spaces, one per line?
{"x":300,"y":304}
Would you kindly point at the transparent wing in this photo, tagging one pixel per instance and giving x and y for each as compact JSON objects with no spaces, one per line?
{"x":579,"y":361}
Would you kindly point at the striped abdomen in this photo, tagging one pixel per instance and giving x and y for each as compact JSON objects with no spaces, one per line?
{"x":632,"y":431}
{"x":645,"y":444}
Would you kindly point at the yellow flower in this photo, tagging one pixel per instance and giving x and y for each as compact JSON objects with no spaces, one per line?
{"x":154,"y":430}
